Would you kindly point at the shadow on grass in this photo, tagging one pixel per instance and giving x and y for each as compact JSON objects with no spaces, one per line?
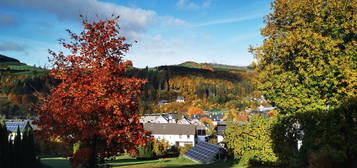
{"x":55,"y":163}
{"x":220,"y":164}
{"x":129,"y":162}
{"x":174,"y":162}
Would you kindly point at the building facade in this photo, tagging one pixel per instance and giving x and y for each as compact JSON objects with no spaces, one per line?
{"x":173,"y":133}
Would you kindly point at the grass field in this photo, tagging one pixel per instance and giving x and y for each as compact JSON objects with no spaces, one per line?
{"x":129,"y":162}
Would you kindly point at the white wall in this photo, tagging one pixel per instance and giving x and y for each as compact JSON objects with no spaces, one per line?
{"x":172,"y":139}
{"x":220,"y":138}
{"x":12,"y":136}
{"x":161,"y":119}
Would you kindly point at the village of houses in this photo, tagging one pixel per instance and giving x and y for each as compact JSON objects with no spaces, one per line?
{"x":177,"y":129}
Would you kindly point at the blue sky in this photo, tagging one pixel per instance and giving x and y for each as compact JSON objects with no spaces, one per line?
{"x":167,"y":31}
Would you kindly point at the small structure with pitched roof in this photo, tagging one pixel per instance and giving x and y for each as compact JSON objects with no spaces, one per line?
{"x":205,"y":152}
{"x":12,"y":126}
{"x":175,"y":134}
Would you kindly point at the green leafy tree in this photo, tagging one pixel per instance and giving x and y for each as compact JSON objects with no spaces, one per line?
{"x":251,"y":142}
{"x":308,"y":60}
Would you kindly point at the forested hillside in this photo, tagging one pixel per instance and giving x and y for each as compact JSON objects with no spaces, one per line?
{"x":206,"y":86}
{"x":18,"y":83}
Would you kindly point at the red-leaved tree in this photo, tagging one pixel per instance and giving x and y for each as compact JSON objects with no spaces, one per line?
{"x":95,"y":102}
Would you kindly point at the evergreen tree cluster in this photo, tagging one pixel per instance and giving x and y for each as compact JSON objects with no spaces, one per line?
{"x":19,"y":152}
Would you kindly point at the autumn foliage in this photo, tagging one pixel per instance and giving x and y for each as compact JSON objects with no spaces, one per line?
{"x":235,"y":115}
{"x":195,"y":110}
{"x":206,"y":121}
{"x":95,"y":102}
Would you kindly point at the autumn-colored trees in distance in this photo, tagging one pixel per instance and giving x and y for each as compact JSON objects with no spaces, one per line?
{"x":95,"y":103}
{"x":306,"y":68}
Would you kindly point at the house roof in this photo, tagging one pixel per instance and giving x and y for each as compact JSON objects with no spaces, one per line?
{"x":213,"y":116}
{"x":170,"y":128}
{"x":12,"y":125}
{"x":180,"y":98}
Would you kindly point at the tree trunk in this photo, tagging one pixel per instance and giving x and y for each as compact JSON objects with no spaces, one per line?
{"x":92,"y":162}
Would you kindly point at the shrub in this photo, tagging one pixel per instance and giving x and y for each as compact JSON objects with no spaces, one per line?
{"x":325,"y":159}
{"x":213,"y":141}
{"x":145,"y":152}
{"x":76,"y":146}
{"x":185,"y":148}
{"x":160,"y":148}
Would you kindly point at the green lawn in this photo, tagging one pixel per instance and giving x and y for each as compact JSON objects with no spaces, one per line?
{"x":55,"y":162}
{"x":129,"y":162}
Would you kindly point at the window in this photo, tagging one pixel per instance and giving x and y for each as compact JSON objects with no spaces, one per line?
{"x":188,"y":136}
{"x":201,"y":132}
{"x":180,"y":136}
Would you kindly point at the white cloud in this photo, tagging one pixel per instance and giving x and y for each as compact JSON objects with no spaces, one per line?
{"x":133,"y":21}
{"x":229,"y":20}
{"x":189,"y":4}
{"x":168,"y":21}
{"x":11,"y":46}
{"x":155,"y":50}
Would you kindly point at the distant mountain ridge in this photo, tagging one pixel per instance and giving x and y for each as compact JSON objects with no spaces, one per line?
{"x":212,"y":66}
{"x":4,"y":58}
{"x":14,"y":66}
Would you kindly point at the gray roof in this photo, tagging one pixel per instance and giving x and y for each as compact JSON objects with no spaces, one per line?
{"x":213,"y":116}
{"x":170,"y":128}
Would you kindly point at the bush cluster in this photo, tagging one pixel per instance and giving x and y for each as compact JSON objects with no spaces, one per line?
{"x":161,"y":149}
{"x":327,"y":139}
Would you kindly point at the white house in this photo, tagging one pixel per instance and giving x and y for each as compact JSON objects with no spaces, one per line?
{"x":162,"y":102}
{"x":153,"y":118}
{"x":220,"y":131}
{"x":170,"y":118}
{"x":180,"y":99}
{"x":183,"y":120}
{"x":173,"y":133}
{"x":201,"y":133}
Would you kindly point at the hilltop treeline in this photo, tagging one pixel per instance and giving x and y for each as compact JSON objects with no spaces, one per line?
{"x":201,"y":85}
{"x":207,"y":88}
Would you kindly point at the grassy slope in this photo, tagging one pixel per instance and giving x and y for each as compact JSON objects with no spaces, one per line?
{"x":128,"y":162}
{"x":217,"y":67}
{"x":8,"y":64}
